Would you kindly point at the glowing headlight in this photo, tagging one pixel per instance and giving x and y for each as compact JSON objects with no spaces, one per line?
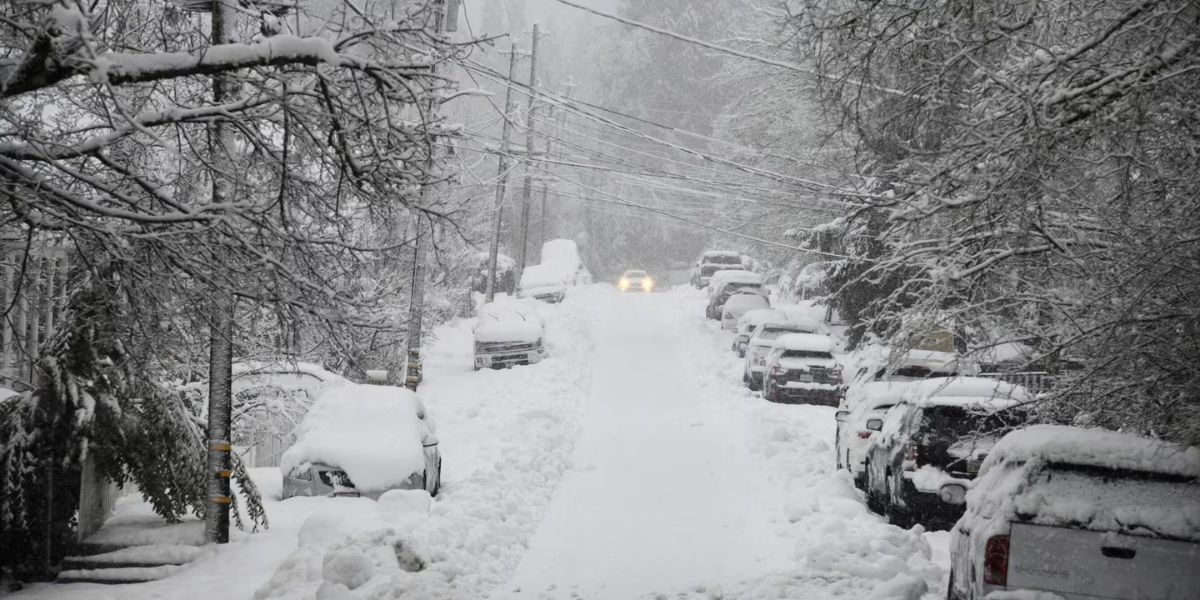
{"x":647,"y":284}
{"x":623,"y":284}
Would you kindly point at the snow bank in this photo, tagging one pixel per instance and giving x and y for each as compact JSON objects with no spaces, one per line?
{"x":370,"y":431}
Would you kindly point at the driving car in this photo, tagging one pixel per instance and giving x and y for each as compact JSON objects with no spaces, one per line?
{"x":858,"y":419}
{"x":1067,"y":512}
{"x":726,"y":283}
{"x":749,"y":323}
{"x":508,"y":334}
{"x":939,"y":433}
{"x":739,"y":304}
{"x":712,"y":261}
{"x":801,"y":369}
{"x":636,"y":280}
{"x":761,"y":344}
{"x":363,"y":440}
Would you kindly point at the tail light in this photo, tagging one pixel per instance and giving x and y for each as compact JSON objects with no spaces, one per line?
{"x":995,"y":561}
{"x":912,"y":452}
{"x":862,"y":435}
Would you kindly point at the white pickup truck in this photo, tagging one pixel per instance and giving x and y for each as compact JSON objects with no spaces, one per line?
{"x":1079,"y":514}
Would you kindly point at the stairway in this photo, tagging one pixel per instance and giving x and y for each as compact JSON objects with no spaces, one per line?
{"x":114,"y":564}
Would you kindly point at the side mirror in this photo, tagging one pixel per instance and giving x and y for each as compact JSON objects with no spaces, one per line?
{"x":875,"y":424}
{"x":841,"y":415}
{"x":953,"y":493}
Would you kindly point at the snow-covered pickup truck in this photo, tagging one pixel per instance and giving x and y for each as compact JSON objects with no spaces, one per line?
{"x":1070,"y":513}
{"x":508,"y":334}
{"x":363,"y":440}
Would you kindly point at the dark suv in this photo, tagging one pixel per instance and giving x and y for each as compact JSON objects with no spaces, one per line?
{"x":932,"y":444}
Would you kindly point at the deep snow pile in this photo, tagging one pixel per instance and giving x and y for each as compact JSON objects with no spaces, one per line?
{"x":506,"y":438}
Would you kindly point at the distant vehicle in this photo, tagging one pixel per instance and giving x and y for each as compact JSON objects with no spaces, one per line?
{"x":1080,"y":513}
{"x":363,"y":440}
{"x":507,"y":334}
{"x":801,"y":369}
{"x":939,"y":433}
{"x":760,"y":346}
{"x":858,"y":419}
{"x":749,"y":323}
{"x":635,"y":280}
{"x":738,"y":304}
{"x":727,"y":283}
{"x":712,"y":261}
{"x":560,"y":269}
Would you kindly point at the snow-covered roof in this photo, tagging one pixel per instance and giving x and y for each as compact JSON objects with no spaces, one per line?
{"x":740,"y":302}
{"x":805,"y":341}
{"x":548,"y":274}
{"x":508,"y":326}
{"x":372,"y":432}
{"x":758,"y":316}
{"x":933,"y":360}
{"x":1096,"y":448}
{"x":876,"y":393}
{"x":980,"y":392}
{"x":734,"y":276}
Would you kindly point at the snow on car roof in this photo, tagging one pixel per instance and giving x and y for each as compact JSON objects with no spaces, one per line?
{"x":508,"y":324}
{"x":877,"y":393}
{"x":372,"y":432}
{"x":1060,"y":444}
{"x":735,"y":276}
{"x":759,"y":316}
{"x":994,"y":393}
{"x":716,"y":253}
{"x":740,"y":301}
{"x":805,"y":341}
{"x":548,"y":273}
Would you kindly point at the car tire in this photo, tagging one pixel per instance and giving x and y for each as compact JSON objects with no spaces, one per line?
{"x":437,"y":482}
{"x":754,"y":387}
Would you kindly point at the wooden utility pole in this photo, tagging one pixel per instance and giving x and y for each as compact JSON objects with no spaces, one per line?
{"x":561,"y":125}
{"x":502,"y":182}
{"x":220,"y":357}
{"x":530,"y":122}
{"x":416,"y":302}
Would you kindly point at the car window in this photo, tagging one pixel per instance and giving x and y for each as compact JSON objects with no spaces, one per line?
{"x":807,"y":354}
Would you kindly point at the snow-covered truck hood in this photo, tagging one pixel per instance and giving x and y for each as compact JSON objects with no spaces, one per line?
{"x":372,"y":432}
{"x":514,"y":329}
{"x":796,"y":363}
{"x":547,"y":276}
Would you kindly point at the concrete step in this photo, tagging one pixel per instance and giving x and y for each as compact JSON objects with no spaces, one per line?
{"x":119,"y":575}
{"x":129,"y":564}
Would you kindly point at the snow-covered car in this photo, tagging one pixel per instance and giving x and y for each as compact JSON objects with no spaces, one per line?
{"x":760,"y":346}
{"x":508,"y":334}
{"x":914,"y":365}
{"x":858,"y":419}
{"x":939,"y":433}
{"x":712,"y":261}
{"x":728,"y":283}
{"x":801,"y":369}
{"x":749,"y":323}
{"x":1064,"y":512}
{"x":635,"y":280}
{"x":560,"y":269}
{"x":739,"y":304}
{"x":363,"y":440}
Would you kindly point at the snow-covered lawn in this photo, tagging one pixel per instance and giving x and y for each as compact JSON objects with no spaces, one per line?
{"x":630,"y":464}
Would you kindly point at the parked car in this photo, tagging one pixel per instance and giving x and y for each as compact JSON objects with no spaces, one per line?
{"x":508,"y":334}
{"x":636,"y":280}
{"x":801,"y":369}
{"x":271,"y":398}
{"x":749,"y":323}
{"x":363,"y":440}
{"x":712,"y":261}
{"x":1080,"y":513}
{"x":858,"y":419}
{"x":939,"y":433}
{"x":913,"y":365}
{"x":561,"y":268}
{"x":760,"y":346}
{"x":728,"y":283}
{"x":737,"y":305}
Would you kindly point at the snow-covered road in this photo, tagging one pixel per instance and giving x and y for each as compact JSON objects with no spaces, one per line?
{"x":632,"y":464}
{"x":662,"y":493}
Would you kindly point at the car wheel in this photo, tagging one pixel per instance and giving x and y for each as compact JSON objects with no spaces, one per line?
{"x":895,"y":514}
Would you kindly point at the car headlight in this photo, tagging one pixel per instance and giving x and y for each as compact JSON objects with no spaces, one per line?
{"x":623,"y":284}
{"x":647,"y":284}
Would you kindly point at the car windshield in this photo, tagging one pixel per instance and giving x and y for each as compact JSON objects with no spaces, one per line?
{"x":723,"y":260}
{"x":708,"y":270}
{"x":635,"y":274}
{"x":806,"y":354}
{"x":947,"y":424}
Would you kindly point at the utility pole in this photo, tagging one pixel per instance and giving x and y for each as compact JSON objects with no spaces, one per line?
{"x":416,"y":301}
{"x":530,"y":121}
{"x":561,"y":125}
{"x":502,"y":182}
{"x":220,"y":349}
